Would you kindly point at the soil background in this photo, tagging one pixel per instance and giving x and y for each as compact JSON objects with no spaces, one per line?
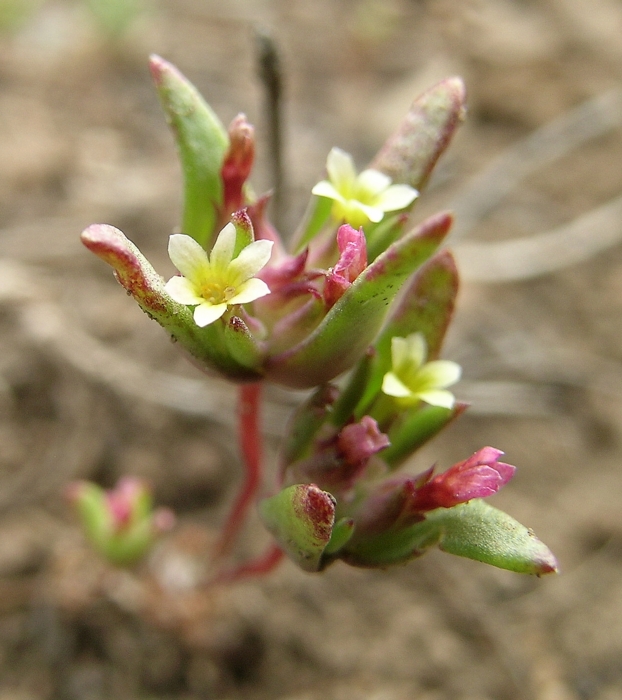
{"x":90,"y":388}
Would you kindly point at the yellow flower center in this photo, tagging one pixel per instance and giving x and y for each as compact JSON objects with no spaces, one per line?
{"x":216,"y":292}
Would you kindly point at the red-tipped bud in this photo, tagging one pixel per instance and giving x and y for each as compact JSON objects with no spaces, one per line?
{"x":352,"y":261}
{"x":238,"y":162}
{"x":479,"y":476}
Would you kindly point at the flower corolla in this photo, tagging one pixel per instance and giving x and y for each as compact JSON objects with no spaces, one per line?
{"x":221,"y":280}
{"x":359,"y":199}
{"x":412,"y":379}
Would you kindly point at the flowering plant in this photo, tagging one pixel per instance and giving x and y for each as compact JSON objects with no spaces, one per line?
{"x":354,"y":310}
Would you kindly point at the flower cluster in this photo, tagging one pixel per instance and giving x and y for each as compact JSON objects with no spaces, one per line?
{"x":355,"y":308}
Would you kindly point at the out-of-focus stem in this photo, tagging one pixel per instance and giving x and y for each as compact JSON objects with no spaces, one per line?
{"x":249,"y":437}
{"x":260,"y":566}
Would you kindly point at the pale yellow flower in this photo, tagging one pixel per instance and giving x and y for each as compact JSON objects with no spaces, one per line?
{"x":412,"y":379}
{"x":216,"y":282}
{"x":359,"y":199}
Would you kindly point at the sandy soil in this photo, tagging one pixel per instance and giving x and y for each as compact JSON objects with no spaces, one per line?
{"x":89,"y":388}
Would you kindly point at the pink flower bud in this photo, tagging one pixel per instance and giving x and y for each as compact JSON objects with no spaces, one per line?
{"x":479,"y":476}
{"x":122,"y":501}
{"x":352,"y":261}
{"x":357,"y":442}
{"x":238,"y":162}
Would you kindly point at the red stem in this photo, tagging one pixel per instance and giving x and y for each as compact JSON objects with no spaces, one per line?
{"x":249,"y":437}
{"x":256,"y":567}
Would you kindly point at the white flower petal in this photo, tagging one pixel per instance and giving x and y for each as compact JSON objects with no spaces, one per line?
{"x":341,"y":171}
{"x":444,"y":399}
{"x":183,"y":291}
{"x":187,"y":256}
{"x":249,"y":291}
{"x":392,"y":386}
{"x":439,"y":374}
{"x":371,"y":183}
{"x":325,"y":189}
{"x":396,"y":197}
{"x":207,"y":313}
{"x":222,"y":252}
{"x":248,"y":263}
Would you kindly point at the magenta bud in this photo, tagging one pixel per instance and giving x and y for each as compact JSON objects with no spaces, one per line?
{"x":352,"y":261}
{"x":479,"y":476}
{"x":358,"y":442}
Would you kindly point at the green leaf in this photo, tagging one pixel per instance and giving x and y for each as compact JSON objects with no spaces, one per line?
{"x":202,"y":142}
{"x":479,"y":531}
{"x":428,"y":304}
{"x":301,"y":518}
{"x":474,"y":530}
{"x":90,"y":502}
{"x":333,"y":347}
{"x":410,"y":154}
{"x":134,"y":272}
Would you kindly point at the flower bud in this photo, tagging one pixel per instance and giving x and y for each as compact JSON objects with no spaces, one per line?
{"x":352,"y":261}
{"x":479,"y":476}
{"x":238,"y":163}
{"x":121,"y":523}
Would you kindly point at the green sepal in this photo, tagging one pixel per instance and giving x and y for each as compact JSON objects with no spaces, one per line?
{"x":414,"y":428}
{"x":316,"y":215}
{"x":301,"y":519}
{"x":202,"y":142}
{"x":410,"y":154}
{"x":244,"y":234}
{"x":134,"y":272}
{"x":332,"y":347}
{"x":242,"y":346}
{"x":342,"y":532}
{"x":474,"y":530}
{"x":381,"y":235}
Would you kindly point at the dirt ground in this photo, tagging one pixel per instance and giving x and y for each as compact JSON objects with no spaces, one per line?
{"x":89,"y":388}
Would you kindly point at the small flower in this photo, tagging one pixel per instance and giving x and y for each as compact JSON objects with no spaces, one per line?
{"x":412,"y":378}
{"x":214,"y":283}
{"x":359,"y":199}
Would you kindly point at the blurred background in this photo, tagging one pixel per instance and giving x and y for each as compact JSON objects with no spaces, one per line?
{"x":90,"y":388}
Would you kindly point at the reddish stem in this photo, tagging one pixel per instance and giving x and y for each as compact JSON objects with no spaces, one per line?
{"x":249,"y":437}
{"x":256,"y":567}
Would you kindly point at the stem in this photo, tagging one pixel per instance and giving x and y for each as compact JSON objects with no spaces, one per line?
{"x":256,"y":567}
{"x":249,"y":436}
